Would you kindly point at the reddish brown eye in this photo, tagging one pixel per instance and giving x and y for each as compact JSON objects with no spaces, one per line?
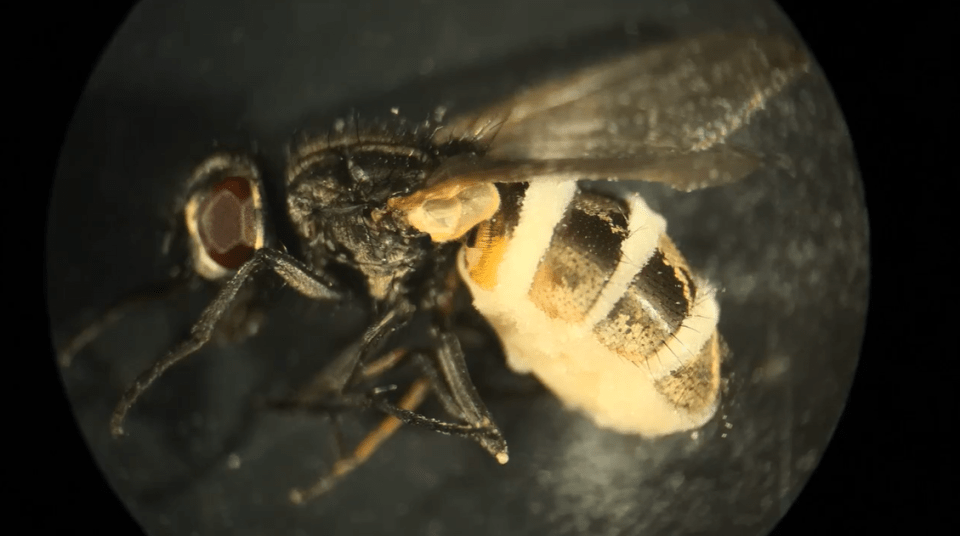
{"x":228,"y":223}
{"x":224,"y":215}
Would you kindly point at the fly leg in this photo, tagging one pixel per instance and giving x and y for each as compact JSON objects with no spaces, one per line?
{"x":447,"y":371}
{"x":295,"y":273}
{"x":326,"y":394}
{"x":442,"y":375}
{"x":115,"y":312}
{"x":414,"y":396}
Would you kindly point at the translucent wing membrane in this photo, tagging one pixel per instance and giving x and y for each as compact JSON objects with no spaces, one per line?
{"x":683,"y":171}
{"x":661,"y":115}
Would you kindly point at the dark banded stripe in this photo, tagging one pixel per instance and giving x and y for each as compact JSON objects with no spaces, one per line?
{"x":511,"y":200}
{"x":583,"y":254}
{"x":489,"y":239}
{"x":502,"y":224}
{"x":694,"y":385}
{"x":652,"y":309}
{"x":665,"y":288}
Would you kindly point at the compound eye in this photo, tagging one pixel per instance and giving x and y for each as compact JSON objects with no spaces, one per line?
{"x":225,"y":220}
{"x":229,"y":223}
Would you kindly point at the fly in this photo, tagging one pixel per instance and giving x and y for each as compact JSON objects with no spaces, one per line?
{"x":585,"y":290}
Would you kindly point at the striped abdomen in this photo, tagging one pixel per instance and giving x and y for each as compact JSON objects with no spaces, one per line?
{"x":588,"y":293}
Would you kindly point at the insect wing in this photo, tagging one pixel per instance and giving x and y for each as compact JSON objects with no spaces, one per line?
{"x":660,"y":115}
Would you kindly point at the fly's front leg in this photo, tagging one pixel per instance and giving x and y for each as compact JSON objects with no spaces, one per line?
{"x":295,"y":273}
{"x":116,"y":311}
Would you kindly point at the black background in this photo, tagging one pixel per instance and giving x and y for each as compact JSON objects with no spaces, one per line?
{"x":883,"y":467}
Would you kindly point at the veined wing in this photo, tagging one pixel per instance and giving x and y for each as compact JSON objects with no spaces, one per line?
{"x":662,"y":115}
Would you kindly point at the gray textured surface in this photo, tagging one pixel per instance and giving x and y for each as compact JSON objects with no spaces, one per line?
{"x":788,"y":246}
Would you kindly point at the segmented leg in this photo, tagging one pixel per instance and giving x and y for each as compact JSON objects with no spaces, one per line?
{"x":444,"y":371}
{"x":325,"y":393}
{"x":411,"y":400}
{"x":294,"y":272}
{"x":114,"y":312}
{"x":383,"y":364}
{"x":444,"y":368}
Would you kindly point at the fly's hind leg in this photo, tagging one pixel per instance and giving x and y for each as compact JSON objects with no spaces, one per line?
{"x":318,"y":397}
{"x":412,"y":399}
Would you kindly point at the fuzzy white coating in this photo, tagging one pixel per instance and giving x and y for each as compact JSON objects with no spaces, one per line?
{"x":569,"y":358}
